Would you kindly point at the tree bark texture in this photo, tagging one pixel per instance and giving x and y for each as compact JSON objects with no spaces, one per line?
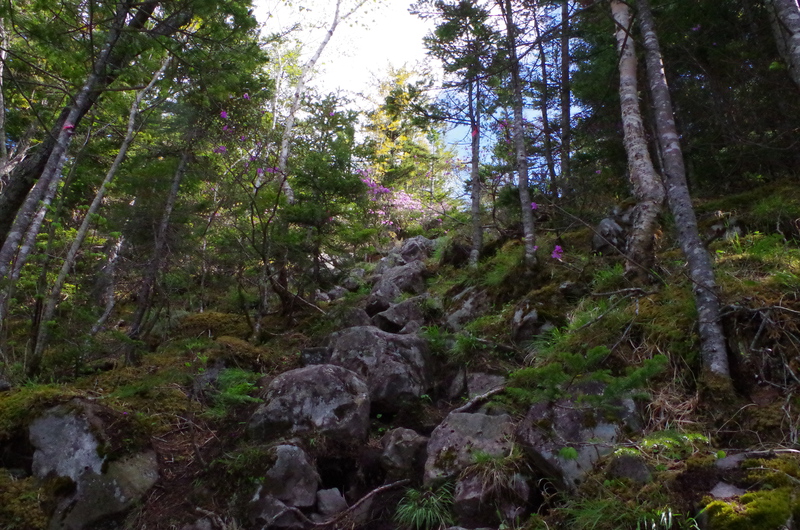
{"x":701,"y":269}
{"x":475,"y":177}
{"x":566,"y":104}
{"x":130,"y":18}
{"x":647,"y":186}
{"x":518,"y":130}
{"x":544,"y":106}
{"x":786,"y":28}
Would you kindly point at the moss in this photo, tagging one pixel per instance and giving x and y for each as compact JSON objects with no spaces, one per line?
{"x":213,"y":324}
{"x":20,"y":406}
{"x":759,"y":510}
{"x":23,"y":504}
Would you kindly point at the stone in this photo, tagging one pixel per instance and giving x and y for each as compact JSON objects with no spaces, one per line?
{"x":723,"y":490}
{"x":268,"y":512}
{"x":394,"y":319}
{"x":568,"y":423}
{"x":409,"y":278}
{"x":609,"y":237}
{"x":466,"y":306}
{"x":5,"y":386}
{"x":354,"y":317}
{"x":316,"y":355}
{"x":629,"y":467}
{"x":416,"y":248}
{"x":338,"y":292}
{"x":479,"y":383}
{"x":292,"y":479}
{"x":64,"y":445}
{"x":454,"y":442}
{"x":97,"y":497}
{"x":395,"y":367}
{"x":477,"y":503}
{"x":330,"y":502}
{"x":320,"y":399}
{"x":403,"y":452}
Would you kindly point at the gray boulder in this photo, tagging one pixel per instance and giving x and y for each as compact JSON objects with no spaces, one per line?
{"x":316,"y":355}
{"x":416,"y":248}
{"x":66,"y":445}
{"x":409,"y":278}
{"x":394,"y":319}
{"x":466,"y":306}
{"x":455,"y":441}
{"x":395,"y":367}
{"x":403,"y":452}
{"x":479,"y":383}
{"x":548,"y":428}
{"x":478,"y":503}
{"x":319,"y":399}
{"x":292,"y":479}
{"x":330,"y":502}
{"x":267,"y":512}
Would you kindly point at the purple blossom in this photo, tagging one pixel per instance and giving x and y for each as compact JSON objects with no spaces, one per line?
{"x":224,"y":127}
{"x":253,"y":158}
{"x":696,"y":28}
{"x":558,"y":253}
{"x":220,"y":149}
{"x":242,"y":138}
{"x":534,"y":206}
{"x":271,"y":170}
{"x":223,"y":115}
{"x":260,"y":171}
{"x":246,"y":95}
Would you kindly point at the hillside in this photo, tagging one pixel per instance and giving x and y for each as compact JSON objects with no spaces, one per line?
{"x":553,"y":396}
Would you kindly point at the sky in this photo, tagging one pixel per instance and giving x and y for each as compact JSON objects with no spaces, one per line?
{"x":360,"y":53}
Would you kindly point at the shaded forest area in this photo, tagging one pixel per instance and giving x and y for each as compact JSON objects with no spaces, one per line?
{"x":175,"y":201}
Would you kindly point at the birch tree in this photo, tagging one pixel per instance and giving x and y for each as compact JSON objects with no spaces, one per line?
{"x":701,"y":269}
{"x":785,"y":15}
{"x":647,"y":186}
{"x":529,"y":234}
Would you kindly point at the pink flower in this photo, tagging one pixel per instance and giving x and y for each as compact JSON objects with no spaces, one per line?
{"x":246,"y":95}
{"x":260,"y":171}
{"x":223,"y":115}
{"x":220,"y":149}
{"x":242,"y":138}
{"x":225,"y":128}
{"x":558,"y":253}
{"x":534,"y":206}
{"x":68,"y":127}
{"x":271,"y":170}
{"x":474,"y":132}
{"x":535,"y":248}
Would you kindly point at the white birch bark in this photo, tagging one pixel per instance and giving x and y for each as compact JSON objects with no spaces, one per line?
{"x":786,"y":28}
{"x":566,"y":104}
{"x":647,"y":186}
{"x":475,"y":177}
{"x":299,"y":90}
{"x":701,"y":269}
{"x":529,"y":234}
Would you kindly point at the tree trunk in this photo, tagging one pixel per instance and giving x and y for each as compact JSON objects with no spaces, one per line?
{"x":145,"y":297}
{"x":785,"y":21}
{"x":69,"y":261}
{"x":566,"y":103}
{"x":701,"y":270}
{"x":647,"y":187}
{"x":475,"y":176}
{"x":29,"y":179}
{"x":519,"y":140}
{"x":109,"y":293}
{"x":543,"y":108}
